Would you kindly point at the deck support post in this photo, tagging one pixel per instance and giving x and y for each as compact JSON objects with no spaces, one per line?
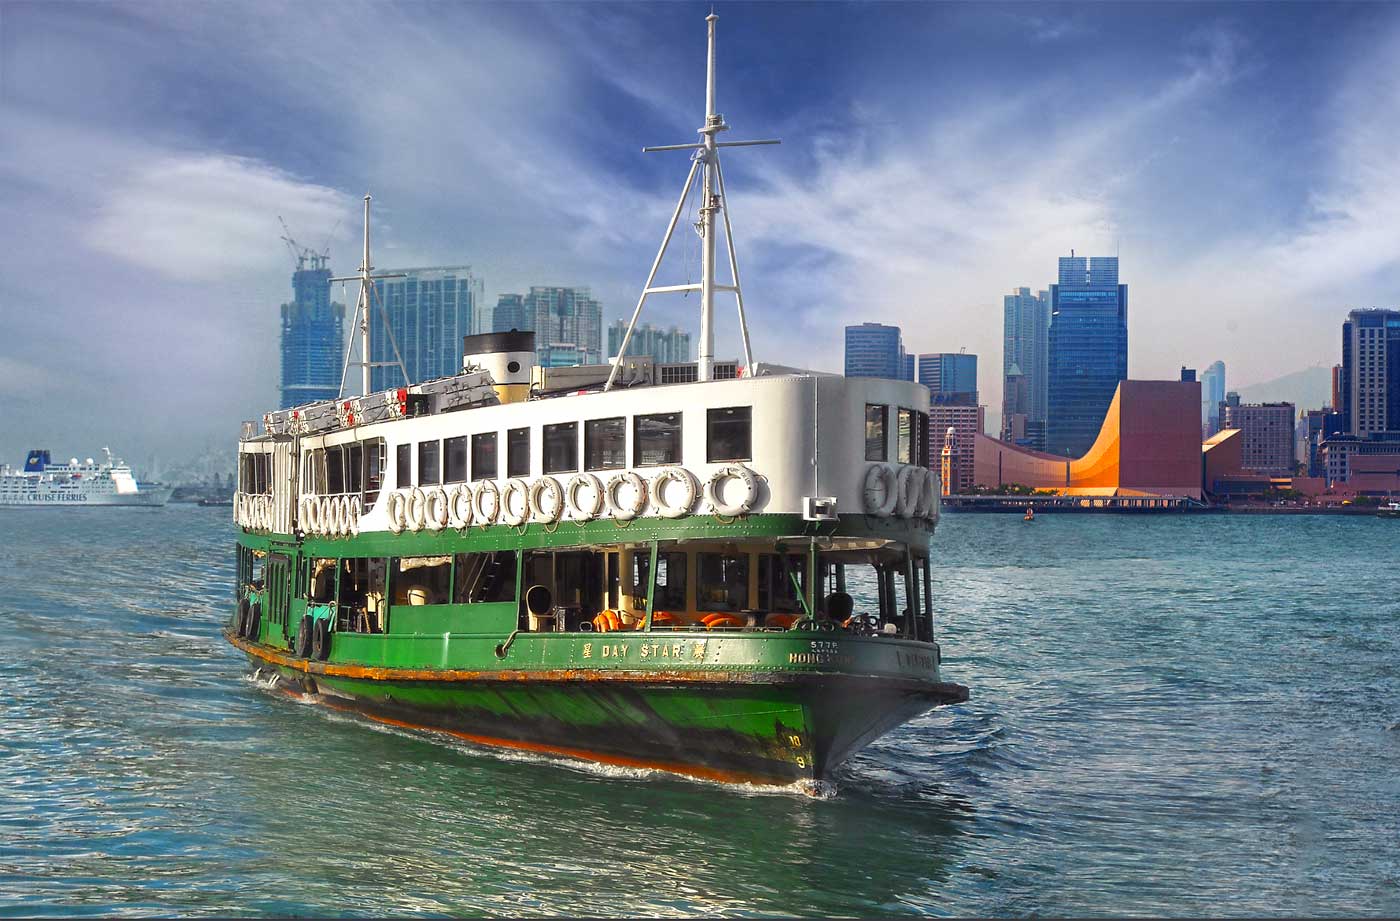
{"x":651,"y":587}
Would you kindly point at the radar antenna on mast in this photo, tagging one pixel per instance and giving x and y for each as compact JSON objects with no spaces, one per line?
{"x":360,"y":325}
{"x":712,"y":200}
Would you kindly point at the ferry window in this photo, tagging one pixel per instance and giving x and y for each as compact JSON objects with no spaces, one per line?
{"x":656,"y":439}
{"x":921,"y":452}
{"x":403,"y":456}
{"x":484,"y":456}
{"x":322,"y":581}
{"x":518,"y":452}
{"x":354,"y":468}
{"x":561,"y":447}
{"x":483,"y":577}
{"x":721,"y":581}
{"x":361,"y":607}
{"x":374,"y":469}
{"x":904,"y":449}
{"x":670,"y":580}
{"x":605,"y":443}
{"x":429,"y":473}
{"x":875,"y":416}
{"x":454,"y":459}
{"x":418,"y":580}
{"x":335,"y":472}
{"x":730,"y":435}
{"x":260,"y":470}
{"x":776,"y":588}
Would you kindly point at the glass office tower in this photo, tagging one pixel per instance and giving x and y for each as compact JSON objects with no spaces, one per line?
{"x":1088,"y":351}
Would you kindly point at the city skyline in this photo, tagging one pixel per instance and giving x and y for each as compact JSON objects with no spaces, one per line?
{"x":896,"y":209}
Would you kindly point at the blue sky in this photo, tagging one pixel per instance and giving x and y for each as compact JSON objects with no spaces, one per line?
{"x":1240,"y":158}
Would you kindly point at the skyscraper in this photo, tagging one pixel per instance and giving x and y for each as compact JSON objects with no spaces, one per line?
{"x":876,"y":350}
{"x":510,"y":314}
{"x":1267,"y":432}
{"x":1370,"y":378}
{"x":313,"y":337}
{"x":1025,"y":360}
{"x":429,"y":311}
{"x":1088,"y":350}
{"x":666,"y":346}
{"x":949,"y":373}
{"x":1212,"y":394}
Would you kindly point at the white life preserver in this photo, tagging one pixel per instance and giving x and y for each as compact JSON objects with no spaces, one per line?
{"x":579,"y":511}
{"x":881,"y":489}
{"x":309,"y":521}
{"x":639,"y":492}
{"x":264,"y":513}
{"x":459,"y":507}
{"x":515,"y":486}
{"x":417,"y":512}
{"x":395,"y":511}
{"x":731,"y":509}
{"x":237,"y":508}
{"x":435,"y":509}
{"x":356,"y":508}
{"x":689,"y":483}
{"x":488,"y":491}
{"x":334,"y":516}
{"x":906,"y":487}
{"x":555,"y":509}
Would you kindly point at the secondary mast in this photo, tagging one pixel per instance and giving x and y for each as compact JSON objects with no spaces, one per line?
{"x":360,"y":324}
{"x":705,"y":162}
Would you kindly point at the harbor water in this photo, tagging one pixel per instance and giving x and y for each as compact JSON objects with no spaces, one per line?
{"x":1170,"y":715}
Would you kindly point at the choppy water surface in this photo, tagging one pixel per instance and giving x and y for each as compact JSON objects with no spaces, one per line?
{"x":1172,"y":715}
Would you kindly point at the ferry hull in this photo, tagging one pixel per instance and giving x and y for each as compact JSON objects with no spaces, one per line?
{"x":753,"y":727}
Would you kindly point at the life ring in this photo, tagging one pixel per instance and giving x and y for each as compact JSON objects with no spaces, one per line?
{"x":487,"y":492}
{"x":689,"y":484}
{"x":881,"y":489}
{"x":607,"y":620}
{"x":662,"y":617}
{"x":435,"y":508}
{"x":356,"y":508}
{"x":265,"y":514}
{"x":555,"y":509}
{"x":731,"y":509}
{"x":579,"y":511}
{"x":459,"y":507}
{"x":639,"y":492}
{"x":341,"y":515}
{"x":927,"y":487}
{"x":394,"y":511}
{"x":782,"y":621}
{"x":906,"y":487}
{"x":238,"y":508}
{"x":416,"y":513}
{"x":721,"y":619}
{"x":515,"y":486}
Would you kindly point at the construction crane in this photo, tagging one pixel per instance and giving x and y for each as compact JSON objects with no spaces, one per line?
{"x":305,"y":254}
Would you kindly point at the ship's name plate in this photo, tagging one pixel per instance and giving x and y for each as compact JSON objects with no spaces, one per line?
{"x":56,"y":497}
{"x":646,"y":652}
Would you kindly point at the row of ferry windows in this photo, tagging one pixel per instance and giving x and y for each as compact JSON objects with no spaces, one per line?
{"x":911,"y":435}
{"x":656,"y":441}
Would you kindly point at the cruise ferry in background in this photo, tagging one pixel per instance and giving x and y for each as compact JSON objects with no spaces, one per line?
{"x":41,"y":482}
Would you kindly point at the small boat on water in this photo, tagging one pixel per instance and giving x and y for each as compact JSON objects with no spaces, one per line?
{"x":1030,"y":514}
{"x":41,"y":483}
{"x":1389,"y":510}
{"x":654,"y":566}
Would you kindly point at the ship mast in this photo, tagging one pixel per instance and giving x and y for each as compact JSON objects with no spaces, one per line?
{"x":705,"y":162}
{"x":360,"y":324}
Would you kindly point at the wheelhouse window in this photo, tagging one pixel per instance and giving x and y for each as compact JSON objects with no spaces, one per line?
{"x":875,"y":446}
{"x":721,"y":581}
{"x":403,"y":460}
{"x":454,"y":459}
{"x":904,"y":448}
{"x":782,"y":583}
{"x":429,"y":472}
{"x":605,"y":443}
{"x":518,"y":452}
{"x":484,"y":456}
{"x":335,"y":471}
{"x":729,"y":434}
{"x":656,"y":439}
{"x":561,"y":447}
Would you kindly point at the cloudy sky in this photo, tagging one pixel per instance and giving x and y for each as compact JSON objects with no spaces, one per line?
{"x":1240,"y":158}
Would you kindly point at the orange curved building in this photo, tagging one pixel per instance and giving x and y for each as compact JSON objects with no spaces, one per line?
{"x":1149,"y":445}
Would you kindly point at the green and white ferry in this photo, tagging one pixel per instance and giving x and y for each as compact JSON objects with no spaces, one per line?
{"x":635,"y":564}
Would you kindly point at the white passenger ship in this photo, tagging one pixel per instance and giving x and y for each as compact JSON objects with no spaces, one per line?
{"x":44,"y":483}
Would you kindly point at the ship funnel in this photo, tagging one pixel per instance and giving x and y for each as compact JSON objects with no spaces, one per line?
{"x":508,"y":357}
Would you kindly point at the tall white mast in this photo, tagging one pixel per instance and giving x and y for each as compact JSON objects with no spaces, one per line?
{"x":704,"y":161}
{"x":360,"y":324}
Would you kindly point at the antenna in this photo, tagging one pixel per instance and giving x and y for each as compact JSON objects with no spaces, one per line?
{"x":361,"y":322}
{"x":712,"y":200}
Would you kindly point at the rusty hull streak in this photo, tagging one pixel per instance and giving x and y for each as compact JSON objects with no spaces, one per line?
{"x":943,"y":690}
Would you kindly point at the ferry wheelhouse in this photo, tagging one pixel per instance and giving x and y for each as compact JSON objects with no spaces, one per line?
{"x":636,"y":564}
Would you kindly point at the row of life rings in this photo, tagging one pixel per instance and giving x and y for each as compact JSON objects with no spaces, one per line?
{"x":330,"y":516}
{"x":585,"y":497}
{"x":253,"y":512}
{"x":909,"y":491}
